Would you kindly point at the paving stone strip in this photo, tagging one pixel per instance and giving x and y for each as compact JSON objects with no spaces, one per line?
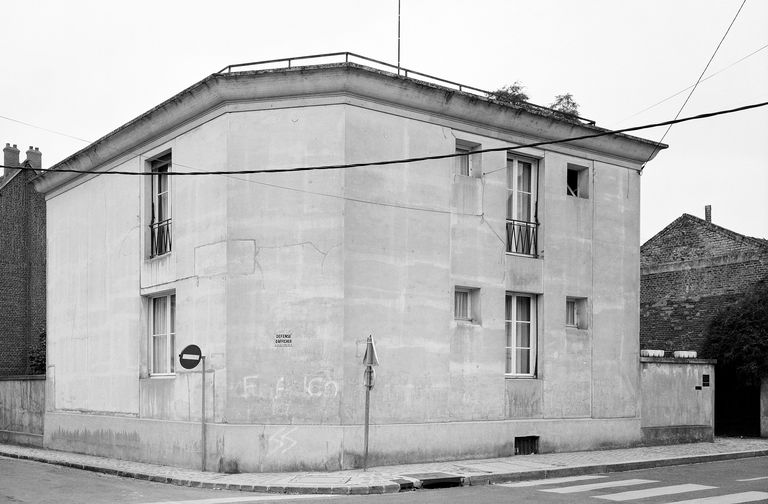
{"x":394,"y":478}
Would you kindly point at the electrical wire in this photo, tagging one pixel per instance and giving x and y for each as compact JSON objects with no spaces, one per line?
{"x":408,"y":160}
{"x":695,"y":85}
{"x":689,"y":87}
{"x":44,"y":129}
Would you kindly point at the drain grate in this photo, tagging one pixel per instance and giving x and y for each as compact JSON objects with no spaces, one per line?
{"x":436,"y":479}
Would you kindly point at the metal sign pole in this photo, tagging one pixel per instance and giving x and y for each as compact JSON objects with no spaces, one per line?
{"x":369,"y":360}
{"x":367,"y":417}
{"x":189,"y":358}
{"x":202,"y":418}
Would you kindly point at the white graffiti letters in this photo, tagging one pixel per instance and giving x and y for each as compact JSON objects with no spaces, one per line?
{"x":320,"y":386}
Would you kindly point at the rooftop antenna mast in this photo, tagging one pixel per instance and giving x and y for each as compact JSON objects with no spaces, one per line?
{"x":398,"y":37}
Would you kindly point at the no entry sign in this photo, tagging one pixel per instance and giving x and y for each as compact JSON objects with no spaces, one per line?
{"x":190,"y":356}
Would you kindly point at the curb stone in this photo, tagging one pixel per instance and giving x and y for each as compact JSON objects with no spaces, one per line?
{"x":391,"y":483}
{"x":609,"y":468}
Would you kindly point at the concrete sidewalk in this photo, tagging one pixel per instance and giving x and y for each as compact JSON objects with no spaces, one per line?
{"x":390,"y":479}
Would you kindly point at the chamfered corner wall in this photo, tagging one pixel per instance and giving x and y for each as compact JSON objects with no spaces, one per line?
{"x":280,"y":277}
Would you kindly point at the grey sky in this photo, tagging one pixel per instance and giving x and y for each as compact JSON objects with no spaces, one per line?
{"x":86,"y":67}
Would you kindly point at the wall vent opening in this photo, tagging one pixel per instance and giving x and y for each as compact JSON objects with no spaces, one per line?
{"x":527,"y":445}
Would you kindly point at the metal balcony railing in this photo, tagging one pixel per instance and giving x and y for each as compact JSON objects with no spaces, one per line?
{"x":349,"y":57}
{"x":160,"y":233}
{"x":522,"y":237}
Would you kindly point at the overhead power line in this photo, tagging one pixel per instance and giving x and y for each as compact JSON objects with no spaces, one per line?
{"x":413,"y":159}
{"x":696,"y":84}
{"x":44,"y":129}
{"x":649,"y":107}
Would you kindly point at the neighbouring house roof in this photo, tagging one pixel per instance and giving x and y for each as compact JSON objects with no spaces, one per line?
{"x":219,"y":90}
{"x":11,"y":173}
{"x":689,"y":238}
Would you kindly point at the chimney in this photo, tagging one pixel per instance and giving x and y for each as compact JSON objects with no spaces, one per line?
{"x":708,"y":213}
{"x":35,"y":158}
{"x":10,"y":155}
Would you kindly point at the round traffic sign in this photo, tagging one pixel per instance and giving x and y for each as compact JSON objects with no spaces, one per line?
{"x":190,"y":356}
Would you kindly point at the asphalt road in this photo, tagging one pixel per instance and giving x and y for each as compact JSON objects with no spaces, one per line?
{"x":727,"y":482}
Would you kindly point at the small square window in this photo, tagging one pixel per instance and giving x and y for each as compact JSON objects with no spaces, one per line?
{"x":576,"y":312}
{"x":461,"y":304}
{"x":462,"y":161}
{"x":466,"y":304}
{"x":577,"y":181}
{"x":466,"y":163}
{"x":571,"y":315}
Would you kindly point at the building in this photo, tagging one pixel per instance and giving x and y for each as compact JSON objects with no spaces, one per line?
{"x":22,"y":264}
{"x":691,"y":270}
{"x":502,"y":287}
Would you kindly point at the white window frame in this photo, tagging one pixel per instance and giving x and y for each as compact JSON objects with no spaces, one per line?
{"x":163,"y":162}
{"x":469,"y":161}
{"x":168,"y":333}
{"x":571,"y":308}
{"x":161,"y":228}
{"x":582,"y":181}
{"x":513,"y":165}
{"x":580,"y":310}
{"x":467,"y":316}
{"x":510,"y":330}
{"x":463,"y":163}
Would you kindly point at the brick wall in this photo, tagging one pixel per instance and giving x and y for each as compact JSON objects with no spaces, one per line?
{"x":22,"y":271}
{"x":690,"y":271}
{"x":690,"y":238}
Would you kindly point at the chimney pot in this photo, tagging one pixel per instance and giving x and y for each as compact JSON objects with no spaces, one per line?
{"x":10,"y":156}
{"x":708,"y":213}
{"x":35,"y":158}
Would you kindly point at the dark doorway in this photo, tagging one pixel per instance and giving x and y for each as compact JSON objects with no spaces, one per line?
{"x":737,"y":405}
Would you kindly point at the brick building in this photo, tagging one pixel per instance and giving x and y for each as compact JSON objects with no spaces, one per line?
{"x":690,"y":271}
{"x":22,"y":263}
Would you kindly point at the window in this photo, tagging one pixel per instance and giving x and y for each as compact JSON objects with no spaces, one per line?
{"x":571,"y":315}
{"x":577,"y":181}
{"x":462,"y":162}
{"x":467,"y":164}
{"x":576,"y":312}
{"x":466,"y":304}
{"x":461,"y":304}
{"x":522,"y":175}
{"x":162,"y":325}
{"x":160,"y":221}
{"x":520,"y":322}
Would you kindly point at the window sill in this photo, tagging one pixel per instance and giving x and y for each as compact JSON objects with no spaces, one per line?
{"x":162,"y":376}
{"x":467,"y":322}
{"x":161,"y":256}
{"x":517,"y":254}
{"x":510,"y":376}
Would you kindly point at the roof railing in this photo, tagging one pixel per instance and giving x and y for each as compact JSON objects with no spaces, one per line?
{"x":399,"y":70}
